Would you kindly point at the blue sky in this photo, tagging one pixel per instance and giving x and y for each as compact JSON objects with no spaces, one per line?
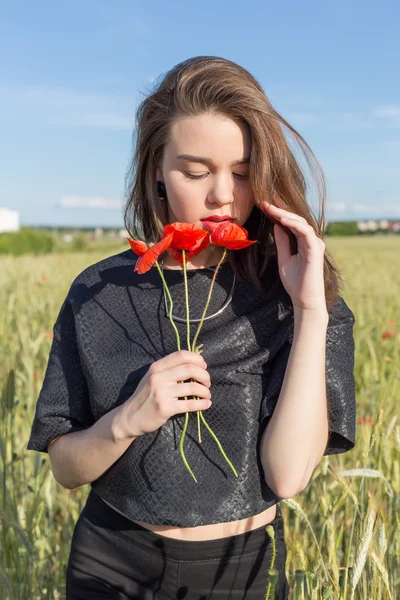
{"x":72,"y":74}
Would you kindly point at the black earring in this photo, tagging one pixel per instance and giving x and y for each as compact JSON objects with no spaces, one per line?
{"x":162,"y":192}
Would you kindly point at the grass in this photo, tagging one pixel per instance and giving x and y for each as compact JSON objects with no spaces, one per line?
{"x":342,"y":532}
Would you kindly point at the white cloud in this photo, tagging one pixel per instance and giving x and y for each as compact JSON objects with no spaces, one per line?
{"x":376,"y":209}
{"x":49,"y":96}
{"x":352,"y":120}
{"x":365,"y":208}
{"x":98,"y":120}
{"x":336,"y":206}
{"x":302,"y":118}
{"x":64,"y":107}
{"x":391,"y":144}
{"x":88,"y":202}
{"x":390,"y":112}
{"x":342,"y":120}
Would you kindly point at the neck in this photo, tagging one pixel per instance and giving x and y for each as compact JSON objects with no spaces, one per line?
{"x":198,"y":262}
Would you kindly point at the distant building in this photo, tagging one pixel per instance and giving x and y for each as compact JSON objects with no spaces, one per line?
{"x":382,"y":225}
{"x":9,"y":220}
{"x":123,"y":234}
{"x":367,"y":225}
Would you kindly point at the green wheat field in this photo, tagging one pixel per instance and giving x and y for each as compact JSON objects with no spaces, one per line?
{"x":342,"y":532}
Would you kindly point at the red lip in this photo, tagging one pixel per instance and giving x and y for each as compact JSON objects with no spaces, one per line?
{"x":215,"y":218}
{"x":212,"y":224}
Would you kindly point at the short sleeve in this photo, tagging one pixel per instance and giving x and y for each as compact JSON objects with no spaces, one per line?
{"x":63,"y":404}
{"x":340,"y":383}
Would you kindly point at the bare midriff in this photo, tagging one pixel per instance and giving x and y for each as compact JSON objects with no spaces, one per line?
{"x":213,"y":531}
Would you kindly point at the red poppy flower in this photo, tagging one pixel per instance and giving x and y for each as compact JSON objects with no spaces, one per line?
{"x":148,"y":256}
{"x":232,"y":236}
{"x":188,"y":237}
{"x":365,"y":421}
{"x":388,"y":334}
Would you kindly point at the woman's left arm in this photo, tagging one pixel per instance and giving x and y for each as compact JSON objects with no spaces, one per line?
{"x":296,"y":436}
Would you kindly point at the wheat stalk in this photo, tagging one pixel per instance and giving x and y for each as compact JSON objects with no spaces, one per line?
{"x":296,"y":507}
{"x":363,"y":549}
{"x":383,"y":572}
{"x":366,"y":472}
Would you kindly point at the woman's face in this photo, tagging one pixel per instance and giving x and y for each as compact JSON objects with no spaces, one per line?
{"x":214,"y":183}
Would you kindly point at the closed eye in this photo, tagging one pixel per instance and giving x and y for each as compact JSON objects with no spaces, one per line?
{"x":191,"y":176}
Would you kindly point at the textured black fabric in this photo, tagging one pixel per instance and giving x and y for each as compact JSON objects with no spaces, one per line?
{"x":110,"y":329}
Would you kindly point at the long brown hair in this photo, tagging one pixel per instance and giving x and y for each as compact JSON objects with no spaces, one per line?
{"x":210,"y":84}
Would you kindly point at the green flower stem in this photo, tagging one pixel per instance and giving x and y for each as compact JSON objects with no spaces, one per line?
{"x":186,"y":301}
{"x":218,"y":443}
{"x":181,"y":445}
{"x":200,"y":326}
{"x":199,"y":412}
{"x":189,"y":348}
{"x":178,"y":341}
{"x":196,"y":349}
{"x":209,"y":297}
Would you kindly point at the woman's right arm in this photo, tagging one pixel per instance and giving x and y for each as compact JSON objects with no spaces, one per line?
{"x":80,"y":457}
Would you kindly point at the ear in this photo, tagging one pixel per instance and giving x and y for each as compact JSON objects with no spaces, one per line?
{"x":159,"y":174}
{"x":277,"y":200}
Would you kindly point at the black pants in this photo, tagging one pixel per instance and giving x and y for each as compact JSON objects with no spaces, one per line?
{"x":112,"y":557}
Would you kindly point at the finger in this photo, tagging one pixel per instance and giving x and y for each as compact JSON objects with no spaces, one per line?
{"x":182,"y":406}
{"x":300,"y":229}
{"x":282,"y":242}
{"x":189,"y":371}
{"x":294,"y":223}
{"x":179,"y":390}
{"x":177,"y":358}
{"x":282,"y":212}
{"x":179,"y":374}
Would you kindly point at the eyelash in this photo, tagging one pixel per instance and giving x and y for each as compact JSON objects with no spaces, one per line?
{"x":194,"y":177}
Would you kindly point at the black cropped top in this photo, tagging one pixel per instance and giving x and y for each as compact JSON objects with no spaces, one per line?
{"x":113,"y":325}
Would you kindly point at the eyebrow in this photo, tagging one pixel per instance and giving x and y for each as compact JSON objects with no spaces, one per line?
{"x":208,"y":161}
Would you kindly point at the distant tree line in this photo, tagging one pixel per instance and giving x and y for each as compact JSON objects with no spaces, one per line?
{"x":36,"y":241}
{"x":44,"y":240}
{"x":342,"y":228}
{"x":26,"y":240}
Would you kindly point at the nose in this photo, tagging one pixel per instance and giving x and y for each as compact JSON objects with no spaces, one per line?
{"x":221,"y":191}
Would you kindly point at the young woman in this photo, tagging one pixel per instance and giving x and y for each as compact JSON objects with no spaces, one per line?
{"x":277,"y":359}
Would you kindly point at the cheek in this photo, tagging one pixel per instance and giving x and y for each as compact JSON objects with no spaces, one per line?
{"x":184,"y":193}
{"x":243,"y":197}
